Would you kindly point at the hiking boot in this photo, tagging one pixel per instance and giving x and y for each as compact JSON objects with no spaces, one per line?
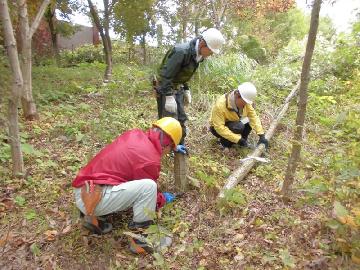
{"x":102,"y":228}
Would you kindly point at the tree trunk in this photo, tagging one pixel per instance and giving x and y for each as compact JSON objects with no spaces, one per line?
{"x":10,"y":45}
{"x":244,"y":169}
{"x":52,"y":22}
{"x":26,"y":33}
{"x":105,"y":37}
{"x":300,"y":117}
{"x":143,"y":45}
{"x":27,"y":101}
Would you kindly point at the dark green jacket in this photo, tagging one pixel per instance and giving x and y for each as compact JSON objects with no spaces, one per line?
{"x":177,"y":67}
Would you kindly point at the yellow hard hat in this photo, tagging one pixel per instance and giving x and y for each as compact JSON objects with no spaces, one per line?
{"x":171,"y":127}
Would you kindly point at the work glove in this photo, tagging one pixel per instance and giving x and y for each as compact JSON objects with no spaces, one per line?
{"x":187,"y":97}
{"x":169,"y":197}
{"x":170,"y":104}
{"x":243,"y":143}
{"x":263,"y":140}
{"x":180,"y":148}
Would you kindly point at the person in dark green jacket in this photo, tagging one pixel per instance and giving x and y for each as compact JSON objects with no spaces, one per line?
{"x":177,"y":68}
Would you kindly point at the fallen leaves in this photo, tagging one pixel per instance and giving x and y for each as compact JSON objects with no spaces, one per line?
{"x":50,"y":235}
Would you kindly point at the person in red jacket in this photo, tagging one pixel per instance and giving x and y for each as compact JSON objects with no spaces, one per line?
{"x":124,"y":175}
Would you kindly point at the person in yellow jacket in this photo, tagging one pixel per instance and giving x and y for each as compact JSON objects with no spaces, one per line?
{"x":233,"y":117}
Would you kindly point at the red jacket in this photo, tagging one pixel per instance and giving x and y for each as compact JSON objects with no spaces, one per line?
{"x":133,"y":155}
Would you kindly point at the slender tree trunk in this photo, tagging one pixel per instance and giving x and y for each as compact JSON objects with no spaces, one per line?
{"x":300,"y":117}
{"x":143,"y":45}
{"x":108,"y":72}
{"x":159,"y":35}
{"x":183,"y":32}
{"x":52,"y":22}
{"x":105,"y":37}
{"x":196,"y":26}
{"x":218,"y":13}
{"x":27,"y":101}
{"x":26,"y":33}
{"x":10,"y":45}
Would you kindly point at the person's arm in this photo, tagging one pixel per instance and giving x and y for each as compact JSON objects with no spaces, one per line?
{"x":150,"y":170}
{"x":218,"y":122}
{"x":254,"y":119}
{"x":169,"y":70}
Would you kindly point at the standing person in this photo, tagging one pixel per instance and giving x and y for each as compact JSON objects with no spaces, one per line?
{"x":233,"y":117}
{"x":177,"y":68}
{"x":124,"y":175}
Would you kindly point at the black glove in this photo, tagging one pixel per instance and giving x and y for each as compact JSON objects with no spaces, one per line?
{"x":263,"y":140}
{"x":242,"y":142}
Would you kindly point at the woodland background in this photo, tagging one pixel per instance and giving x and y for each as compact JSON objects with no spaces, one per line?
{"x":78,"y":101}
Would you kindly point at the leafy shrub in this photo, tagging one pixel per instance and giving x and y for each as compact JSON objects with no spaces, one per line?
{"x":252,"y":48}
{"x":225,"y":72}
{"x":346,"y":58}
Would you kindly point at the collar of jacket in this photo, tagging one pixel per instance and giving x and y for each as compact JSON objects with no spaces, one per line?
{"x":193,"y":48}
{"x":154,"y":137}
{"x":230,"y":102}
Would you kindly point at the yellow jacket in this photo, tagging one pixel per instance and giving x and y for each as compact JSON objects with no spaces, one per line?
{"x":222,"y":112}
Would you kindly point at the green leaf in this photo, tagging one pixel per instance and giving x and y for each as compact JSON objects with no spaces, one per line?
{"x":35,"y":249}
{"x":31,"y":214}
{"x":79,"y":137}
{"x":333,"y":224}
{"x":159,"y":259}
{"x":286,"y":258}
{"x":340,"y":211}
{"x":27,"y":149}
{"x":20,"y":200}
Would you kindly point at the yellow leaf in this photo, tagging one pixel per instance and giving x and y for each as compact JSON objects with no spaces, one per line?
{"x":51,"y":235}
{"x":342,"y":219}
{"x":356,"y":212}
{"x":355,"y":259}
{"x":350,"y":221}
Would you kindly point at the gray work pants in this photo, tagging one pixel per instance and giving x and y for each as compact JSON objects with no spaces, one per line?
{"x":141,"y":195}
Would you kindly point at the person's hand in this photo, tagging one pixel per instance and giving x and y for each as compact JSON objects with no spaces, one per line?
{"x":180,"y":148}
{"x":263,"y":140}
{"x":187,"y":97}
{"x":169,"y":197}
{"x":243,"y":143}
{"x":170,"y":104}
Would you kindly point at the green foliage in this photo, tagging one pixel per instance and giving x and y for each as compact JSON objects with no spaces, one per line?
{"x":252,"y":48}
{"x":286,"y":258}
{"x":222,"y":74}
{"x":235,"y":197}
{"x":19,"y":200}
{"x":346,"y":58}
{"x":275,"y":30}
{"x":93,"y":54}
{"x":134,"y":18}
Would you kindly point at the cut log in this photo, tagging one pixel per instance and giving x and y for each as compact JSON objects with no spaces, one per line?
{"x":246,"y":166}
{"x":180,"y":172}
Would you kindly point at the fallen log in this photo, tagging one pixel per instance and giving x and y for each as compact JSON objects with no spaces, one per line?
{"x":240,"y":173}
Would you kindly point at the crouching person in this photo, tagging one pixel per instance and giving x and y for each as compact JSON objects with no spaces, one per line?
{"x":233,"y":117}
{"x":124,"y":175}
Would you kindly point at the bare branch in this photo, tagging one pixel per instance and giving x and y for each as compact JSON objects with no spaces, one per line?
{"x":38,"y":18}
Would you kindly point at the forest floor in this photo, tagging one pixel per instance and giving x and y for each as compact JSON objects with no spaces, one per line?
{"x":40,"y":226}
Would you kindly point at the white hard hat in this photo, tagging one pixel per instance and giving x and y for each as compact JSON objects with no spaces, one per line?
{"x":214,"y":39}
{"x":247,"y":91}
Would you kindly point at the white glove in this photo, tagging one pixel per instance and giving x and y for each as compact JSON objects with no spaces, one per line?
{"x":170,"y":104}
{"x":187,"y":97}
